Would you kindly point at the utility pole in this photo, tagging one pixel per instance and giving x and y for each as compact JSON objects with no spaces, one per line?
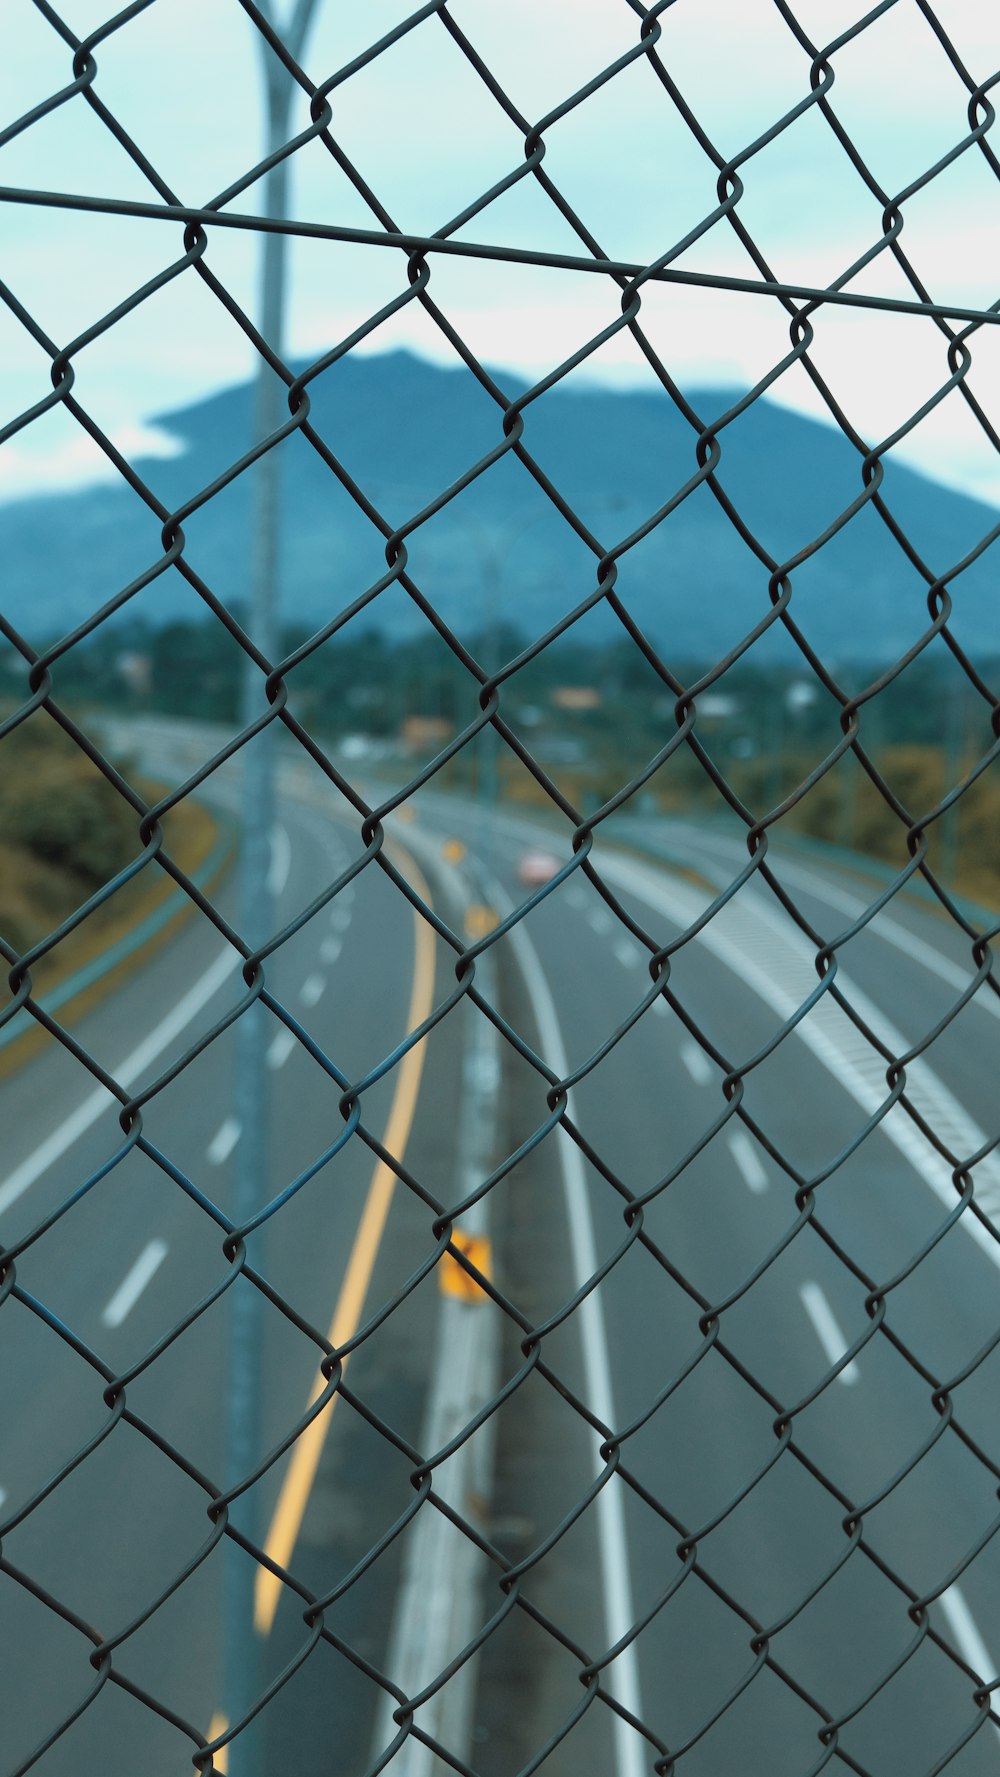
{"x":251,"y":1181}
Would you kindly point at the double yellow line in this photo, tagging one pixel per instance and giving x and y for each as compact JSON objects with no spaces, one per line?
{"x":290,"y":1509}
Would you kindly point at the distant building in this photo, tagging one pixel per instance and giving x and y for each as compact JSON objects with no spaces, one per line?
{"x":716,"y":705}
{"x":136,"y":671}
{"x":577,"y":697}
{"x":425,"y":734}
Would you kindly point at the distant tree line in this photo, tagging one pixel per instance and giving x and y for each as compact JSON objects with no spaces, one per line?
{"x":364,"y":679}
{"x":593,"y":713}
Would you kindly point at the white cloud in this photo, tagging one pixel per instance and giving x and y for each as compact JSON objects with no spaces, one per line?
{"x":76,"y":462}
{"x":427,"y":135}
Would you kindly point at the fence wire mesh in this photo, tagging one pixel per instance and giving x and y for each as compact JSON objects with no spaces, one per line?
{"x":737,"y":1546}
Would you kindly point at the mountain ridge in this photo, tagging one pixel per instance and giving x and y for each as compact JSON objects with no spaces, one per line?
{"x":405,"y":429}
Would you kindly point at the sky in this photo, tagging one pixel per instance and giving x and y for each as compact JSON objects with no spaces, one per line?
{"x":184,"y":78}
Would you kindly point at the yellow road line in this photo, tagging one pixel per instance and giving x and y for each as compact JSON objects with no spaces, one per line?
{"x":301,"y":1473}
{"x":217,"y":1726}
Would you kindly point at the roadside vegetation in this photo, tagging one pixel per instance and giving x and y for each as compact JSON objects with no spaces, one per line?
{"x":590,"y":708}
{"x":65,"y":833}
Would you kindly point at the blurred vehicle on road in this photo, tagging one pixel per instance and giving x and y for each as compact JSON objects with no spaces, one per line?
{"x":536,"y":867}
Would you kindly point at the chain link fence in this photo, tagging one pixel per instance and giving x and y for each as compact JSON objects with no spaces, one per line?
{"x":692,"y":1463}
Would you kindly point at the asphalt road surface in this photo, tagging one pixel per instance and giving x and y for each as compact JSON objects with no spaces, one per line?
{"x":656,"y":1350}
{"x":649,"y":1103}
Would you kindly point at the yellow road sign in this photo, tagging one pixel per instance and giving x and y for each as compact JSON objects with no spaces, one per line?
{"x":453,"y":1279}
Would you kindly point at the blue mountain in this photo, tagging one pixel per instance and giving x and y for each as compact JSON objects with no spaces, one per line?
{"x":404,"y":430}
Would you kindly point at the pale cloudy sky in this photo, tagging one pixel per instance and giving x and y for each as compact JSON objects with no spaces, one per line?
{"x":183,"y":76}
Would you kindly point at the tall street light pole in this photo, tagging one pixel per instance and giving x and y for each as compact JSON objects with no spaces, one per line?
{"x":256,"y":913}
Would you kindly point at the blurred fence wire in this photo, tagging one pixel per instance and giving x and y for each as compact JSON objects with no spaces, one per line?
{"x":883,"y":280}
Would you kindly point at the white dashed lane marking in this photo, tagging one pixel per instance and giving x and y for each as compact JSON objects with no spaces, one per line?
{"x":130,"y":1289}
{"x":827,"y":1331}
{"x":280,"y":1049}
{"x":697,"y":1064}
{"x":747,"y":1160}
{"x":128,"y":1070}
{"x":627,"y":953}
{"x":971,"y":1645}
{"x":223,"y":1142}
{"x":330,"y":949}
{"x":312,"y":989}
{"x":281,"y":861}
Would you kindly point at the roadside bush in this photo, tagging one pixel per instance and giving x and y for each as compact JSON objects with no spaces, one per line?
{"x":63,"y":829}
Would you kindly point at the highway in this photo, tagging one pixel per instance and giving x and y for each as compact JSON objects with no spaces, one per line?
{"x":647,"y":1104}
{"x":137,"y":1252}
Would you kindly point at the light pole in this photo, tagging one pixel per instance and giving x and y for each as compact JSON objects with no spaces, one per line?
{"x":256,"y":915}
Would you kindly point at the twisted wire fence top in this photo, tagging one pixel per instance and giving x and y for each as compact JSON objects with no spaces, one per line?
{"x":355,"y":121}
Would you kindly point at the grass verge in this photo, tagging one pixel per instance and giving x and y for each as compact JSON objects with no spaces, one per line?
{"x":37,"y":895}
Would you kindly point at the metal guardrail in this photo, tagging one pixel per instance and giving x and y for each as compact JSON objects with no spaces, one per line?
{"x":510,"y":1584}
{"x":131,"y":943}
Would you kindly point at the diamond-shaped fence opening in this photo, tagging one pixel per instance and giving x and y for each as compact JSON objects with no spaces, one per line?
{"x":497,"y":880}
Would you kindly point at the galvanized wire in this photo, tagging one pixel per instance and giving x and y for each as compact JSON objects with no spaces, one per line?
{"x":512,"y":1593}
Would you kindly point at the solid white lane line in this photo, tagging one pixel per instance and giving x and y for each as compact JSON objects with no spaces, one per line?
{"x":623,"y":1673}
{"x":281,"y":860}
{"x":891,"y":932}
{"x":778,"y":966}
{"x":441,"y":1588}
{"x":330,"y":949}
{"x":627,"y":953}
{"x":126,"y":1073}
{"x":130,"y":1289}
{"x":132,"y":1066}
{"x":971,"y":1645}
{"x":223,"y":1142}
{"x":312,"y":989}
{"x":883,"y":926}
{"x":827,"y":1331}
{"x":281,"y":1048}
{"x":747,"y":1160}
{"x":697,"y":1064}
